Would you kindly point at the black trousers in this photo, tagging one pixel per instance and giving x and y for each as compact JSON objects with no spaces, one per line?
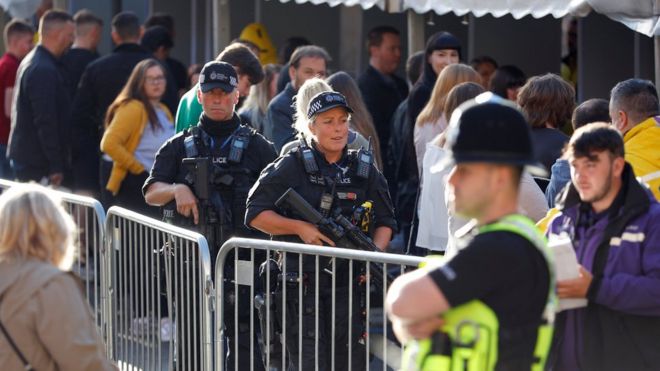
{"x":326,"y":325}
{"x":130,"y":195}
{"x":107,"y":199}
{"x":246,"y":352}
{"x":26,"y":174}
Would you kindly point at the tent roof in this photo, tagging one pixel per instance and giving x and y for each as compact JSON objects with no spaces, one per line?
{"x":638,"y":15}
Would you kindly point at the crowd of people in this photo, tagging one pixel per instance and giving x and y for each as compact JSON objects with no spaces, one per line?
{"x":476,"y":162}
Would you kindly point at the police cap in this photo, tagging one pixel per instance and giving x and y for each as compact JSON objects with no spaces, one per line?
{"x":490,"y":129}
{"x":217,"y":74}
{"x":325,"y":101}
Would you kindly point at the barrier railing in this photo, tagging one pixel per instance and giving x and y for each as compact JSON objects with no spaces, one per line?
{"x":321,"y":311}
{"x":159,"y":291}
{"x":90,"y":219}
{"x":151,"y":288}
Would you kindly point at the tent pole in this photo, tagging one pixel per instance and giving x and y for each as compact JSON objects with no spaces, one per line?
{"x":656,"y":42}
{"x":415,"y":32}
{"x":350,"y":39}
{"x":580,"y":60}
{"x":221,"y":25}
{"x":61,"y":4}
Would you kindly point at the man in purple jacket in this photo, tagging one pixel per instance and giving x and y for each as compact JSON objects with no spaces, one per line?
{"x":614,"y":224}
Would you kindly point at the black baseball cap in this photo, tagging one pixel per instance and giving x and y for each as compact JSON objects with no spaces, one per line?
{"x":325,"y":101}
{"x":490,"y":129}
{"x":217,"y":74}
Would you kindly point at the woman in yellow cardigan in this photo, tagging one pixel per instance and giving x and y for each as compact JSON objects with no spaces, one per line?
{"x":137,"y":124}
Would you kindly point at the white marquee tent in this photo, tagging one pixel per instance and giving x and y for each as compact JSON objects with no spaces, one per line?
{"x":639,"y":15}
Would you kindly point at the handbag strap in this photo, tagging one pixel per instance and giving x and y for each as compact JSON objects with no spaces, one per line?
{"x":26,"y":364}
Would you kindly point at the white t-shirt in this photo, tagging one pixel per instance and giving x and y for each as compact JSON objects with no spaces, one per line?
{"x":423,"y":134}
{"x":531,"y":203}
{"x":433,"y":231}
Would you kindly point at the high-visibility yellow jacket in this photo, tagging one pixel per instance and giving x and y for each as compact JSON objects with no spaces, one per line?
{"x":472,"y":328}
{"x":642,"y":146}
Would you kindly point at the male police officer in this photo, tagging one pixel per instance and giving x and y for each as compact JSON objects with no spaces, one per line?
{"x":236,"y":154}
{"x":489,"y":299}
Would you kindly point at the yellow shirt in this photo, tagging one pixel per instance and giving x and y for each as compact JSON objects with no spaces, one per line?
{"x":121,"y":138}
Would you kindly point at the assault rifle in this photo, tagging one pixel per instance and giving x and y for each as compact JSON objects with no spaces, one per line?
{"x":337,"y":227}
{"x":213,"y":214}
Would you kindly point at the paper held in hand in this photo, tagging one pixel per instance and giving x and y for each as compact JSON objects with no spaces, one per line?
{"x":566,"y":268}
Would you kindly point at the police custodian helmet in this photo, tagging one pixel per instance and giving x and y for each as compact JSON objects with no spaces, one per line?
{"x":490,"y":129}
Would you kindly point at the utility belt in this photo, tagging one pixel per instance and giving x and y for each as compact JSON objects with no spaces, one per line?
{"x":309,"y":279}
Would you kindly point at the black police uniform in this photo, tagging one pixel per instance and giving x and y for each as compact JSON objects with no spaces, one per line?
{"x":231,"y":183}
{"x":215,"y":141}
{"x":350,"y":191}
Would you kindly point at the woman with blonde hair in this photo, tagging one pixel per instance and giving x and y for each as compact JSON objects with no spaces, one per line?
{"x":328,"y":115}
{"x":307,"y":91}
{"x":434,"y":218}
{"x":361,"y":121}
{"x":45,"y":321}
{"x":137,"y":124}
{"x":432,"y":121}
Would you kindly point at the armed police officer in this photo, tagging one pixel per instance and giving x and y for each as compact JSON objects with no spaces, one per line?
{"x":207,"y":191}
{"x":491,"y":305}
{"x":336,"y":181}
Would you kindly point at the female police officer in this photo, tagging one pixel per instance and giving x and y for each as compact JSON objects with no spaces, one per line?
{"x":329,"y":177}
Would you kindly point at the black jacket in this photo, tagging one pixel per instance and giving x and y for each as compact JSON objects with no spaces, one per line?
{"x":421,"y":92}
{"x":382,"y":95}
{"x":257,"y":155}
{"x":278,"y":124}
{"x":283,"y":78}
{"x":419,"y":96}
{"x":180,"y":73}
{"x":39,"y":137}
{"x":548,"y":145}
{"x":99,"y":85}
{"x":75,"y":61}
{"x":171,"y":96}
{"x":288,"y":171}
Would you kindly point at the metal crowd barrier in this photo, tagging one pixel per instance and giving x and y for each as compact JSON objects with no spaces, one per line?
{"x":159,"y":294}
{"x":90,"y":219}
{"x":239,"y":288}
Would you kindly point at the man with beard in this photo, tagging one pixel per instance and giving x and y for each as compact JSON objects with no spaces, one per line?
{"x":634,"y":110}
{"x":613,"y":222}
{"x":306,"y":62}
